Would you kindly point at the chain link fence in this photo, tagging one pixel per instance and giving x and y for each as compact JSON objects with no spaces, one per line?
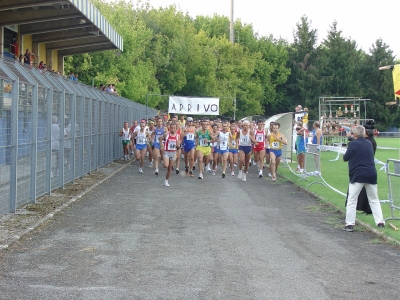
{"x":53,"y":130}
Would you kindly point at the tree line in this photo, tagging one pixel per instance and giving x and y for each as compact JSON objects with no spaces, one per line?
{"x":167,"y":52}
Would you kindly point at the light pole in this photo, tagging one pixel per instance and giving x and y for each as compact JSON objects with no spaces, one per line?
{"x":234,"y":109}
{"x":231,"y":26}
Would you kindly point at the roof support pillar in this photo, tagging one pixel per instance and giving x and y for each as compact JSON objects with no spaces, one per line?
{"x":61,"y":64}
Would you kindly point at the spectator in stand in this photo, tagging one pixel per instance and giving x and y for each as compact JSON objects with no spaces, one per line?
{"x":76,"y":77}
{"x":27,"y":57}
{"x":21,"y":59}
{"x":40,"y":65}
{"x":71,"y":76}
{"x":14,"y":47}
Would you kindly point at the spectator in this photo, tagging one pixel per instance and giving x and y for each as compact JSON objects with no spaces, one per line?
{"x":40,"y":65}
{"x":21,"y":59}
{"x":362,"y":173}
{"x":14,"y":47}
{"x":76,"y":77}
{"x":27,"y":57}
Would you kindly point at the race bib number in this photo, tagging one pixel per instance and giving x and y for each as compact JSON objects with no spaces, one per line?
{"x":172,"y":145}
{"x":190,"y":136}
{"x":259,"y":138}
{"x":203,"y":142}
{"x":141,"y":141}
{"x":244,"y":139}
{"x":223,"y":145}
{"x":233,"y":143}
{"x":275,"y":145}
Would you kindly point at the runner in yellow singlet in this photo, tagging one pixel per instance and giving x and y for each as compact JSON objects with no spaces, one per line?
{"x":276,"y":140}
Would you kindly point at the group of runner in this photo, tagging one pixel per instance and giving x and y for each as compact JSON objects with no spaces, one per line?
{"x":205,"y":143}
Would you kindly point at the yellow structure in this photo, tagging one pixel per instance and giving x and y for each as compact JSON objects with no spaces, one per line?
{"x":396,"y":81}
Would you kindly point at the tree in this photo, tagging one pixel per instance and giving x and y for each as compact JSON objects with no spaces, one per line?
{"x":378,"y":85}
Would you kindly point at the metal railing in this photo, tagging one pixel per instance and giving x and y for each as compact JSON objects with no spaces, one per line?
{"x":53,"y":130}
{"x":393,"y":173}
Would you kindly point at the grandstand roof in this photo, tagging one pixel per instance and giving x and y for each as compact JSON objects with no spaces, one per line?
{"x":69,"y":26}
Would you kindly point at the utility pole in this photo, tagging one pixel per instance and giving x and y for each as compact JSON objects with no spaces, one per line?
{"x":232,"y":36}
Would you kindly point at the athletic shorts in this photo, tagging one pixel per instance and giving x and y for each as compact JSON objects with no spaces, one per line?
{"x":258,"y":149}
{"x":171,"y":155}
{"x":245,"y":149}
{"x":278,"y":153}
{"x":206,"y":150}
{"x":214,"y":150}
{"x":156,"y":145}
{"x":125,"y":142}
{"x":189,"y":147}
{"x":141,"y":146}
{"x":223,"y":151}
{"x":233,"y":151}
{"x":300,"y":151}
{"x":266,"y":150}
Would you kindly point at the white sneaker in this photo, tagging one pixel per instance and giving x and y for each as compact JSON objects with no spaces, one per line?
{"x":208,"y":168}
{"x":213,"y":173}
{"x":200,"y":176}
{"x":156,"y":172}
{"x":269,"y":175}
{"x":260,"y":174}
{"x":244,"y":177}
{"x":233,"y":173}
{"x":140,"y":171}
{"x":240,"y":175}
{"x":166,"y":183}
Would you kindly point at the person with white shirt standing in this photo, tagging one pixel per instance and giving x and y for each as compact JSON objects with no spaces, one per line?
{"x":142,"y":136}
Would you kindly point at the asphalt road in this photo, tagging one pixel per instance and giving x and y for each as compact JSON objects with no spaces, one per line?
{"x":133,"y":238}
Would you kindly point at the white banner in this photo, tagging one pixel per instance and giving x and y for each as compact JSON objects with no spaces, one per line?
{"x":193,"y":106}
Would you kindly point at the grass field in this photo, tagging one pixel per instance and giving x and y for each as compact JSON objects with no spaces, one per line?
{"x":335,"y":173}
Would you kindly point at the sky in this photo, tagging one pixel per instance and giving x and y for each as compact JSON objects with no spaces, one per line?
{"x":363,"y":21}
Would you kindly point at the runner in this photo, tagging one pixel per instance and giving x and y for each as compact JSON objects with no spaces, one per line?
{"x":223,"y":150}
{"x":259,"y":147}
{"x":126,"y":139}
{"x":158,"y":150}
{"x":246,"y":137}
{"x":141,"y":136}
{"x":213,"y":157}
{"x":203,"y":139}
{"x":189,"y":146}
{"x":172,"y":142}
{"x":150,"y":143}
{"x":301,"y":133}
{"x":276,"y":139}
{"x":233,"y":150}
{"x":267,"y":147}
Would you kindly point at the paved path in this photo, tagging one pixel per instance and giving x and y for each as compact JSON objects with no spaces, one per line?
{"x":133,"y":238}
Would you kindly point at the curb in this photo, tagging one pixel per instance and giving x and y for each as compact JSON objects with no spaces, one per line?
{"x":326,"y":202}
{"x":59,"y":209}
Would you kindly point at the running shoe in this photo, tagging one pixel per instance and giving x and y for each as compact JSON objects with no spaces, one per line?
{"x":232,"y":173}
{"x":177,"y":171}
{"x":200,"y":176}
{"x":191,"y":173}
{"x":187,"y":170}
{"x":151,"y":165}
{"x":349,"y":228}
{"x":244,"y":177}
{"x":140,"y":171}
{"x":240,"y":175}
{"x":156,"y":172}
{"x":213,"y":173}
{"x":381,"y":225}
{"x":125,"y":158}
{"x":274,"y":178}
{"x":194,"y":168}
{"x":260,"y":174}
{"x":166,"y":183}
{"x":223,"y":175}
{"x":208,"y":168}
